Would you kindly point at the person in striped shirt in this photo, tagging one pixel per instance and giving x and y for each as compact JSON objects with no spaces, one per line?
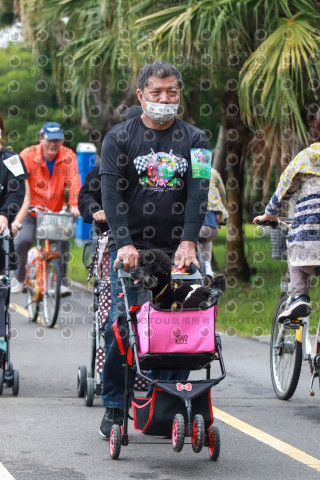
{"x":303,"y":241}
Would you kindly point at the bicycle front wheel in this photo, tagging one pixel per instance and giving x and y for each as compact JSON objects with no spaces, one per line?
{"x":51,"y":297}
{"x":285,"y":356}
{"x":32,"y":305}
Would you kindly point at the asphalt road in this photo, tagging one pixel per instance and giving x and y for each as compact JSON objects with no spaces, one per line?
{"x":48,"y":433}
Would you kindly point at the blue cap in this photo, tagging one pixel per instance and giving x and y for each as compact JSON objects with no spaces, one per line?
{"x":52,"y":131}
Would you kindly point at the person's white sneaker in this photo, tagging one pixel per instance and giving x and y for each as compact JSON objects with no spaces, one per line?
{"x":16,"y":287}
{"x":64,"y":291}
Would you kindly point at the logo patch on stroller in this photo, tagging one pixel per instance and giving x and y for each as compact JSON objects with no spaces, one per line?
{"x":181,"y":339}
{"x":187,"y":386}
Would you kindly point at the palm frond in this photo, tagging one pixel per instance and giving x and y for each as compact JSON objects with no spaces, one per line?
{"x":281,"y":64}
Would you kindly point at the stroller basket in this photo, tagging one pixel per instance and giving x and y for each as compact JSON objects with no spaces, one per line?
{"x":154,"y":416}
{"x":55,"y":226}
{"x":278,"y":238}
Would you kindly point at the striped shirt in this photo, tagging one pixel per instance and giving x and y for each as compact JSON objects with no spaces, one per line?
{"x":303,"y":174}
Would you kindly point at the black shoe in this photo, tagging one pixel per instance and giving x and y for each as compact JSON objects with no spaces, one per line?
{"x":299,"y":307}
{"x":111,"y":416}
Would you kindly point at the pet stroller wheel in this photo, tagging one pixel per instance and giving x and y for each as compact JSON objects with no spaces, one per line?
{"x":81,"y":380}
{"x":89,"y":392}
{"x":197,"y":437}
{"x":115,"y":441}
{"x":178,"y":432}
{"x":15,"y":383}
{"x":1,"y":380}
{"x":214,"y":443}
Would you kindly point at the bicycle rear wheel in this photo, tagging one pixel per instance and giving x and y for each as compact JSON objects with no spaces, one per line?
{"x":285,"y":356}
{"x":51,"y":297}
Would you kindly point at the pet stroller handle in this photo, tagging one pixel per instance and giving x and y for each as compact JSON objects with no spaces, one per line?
{"x":192,"y":273}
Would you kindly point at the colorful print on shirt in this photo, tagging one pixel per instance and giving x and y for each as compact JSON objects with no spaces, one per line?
{"x":161,"y":170}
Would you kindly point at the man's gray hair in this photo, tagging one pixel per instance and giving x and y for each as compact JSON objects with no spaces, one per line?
{"x":160,"y":70}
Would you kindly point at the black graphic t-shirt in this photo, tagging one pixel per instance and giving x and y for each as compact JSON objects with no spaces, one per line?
{"x":160,"y":181}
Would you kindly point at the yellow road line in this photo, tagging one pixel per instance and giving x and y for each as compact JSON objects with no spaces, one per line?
{"x":25,"y":313}
{"x":263,"y":437}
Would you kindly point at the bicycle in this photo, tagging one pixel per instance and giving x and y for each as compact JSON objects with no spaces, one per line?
{"x":43,"y":276}
{"x":291,"y":341}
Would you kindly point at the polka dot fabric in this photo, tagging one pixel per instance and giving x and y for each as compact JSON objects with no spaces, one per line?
{"x":99,"y":359}
{"x":140,"y":384}
{"x":102,"y":271}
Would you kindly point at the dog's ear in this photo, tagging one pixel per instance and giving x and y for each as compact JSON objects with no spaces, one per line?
{"x":218,"y":284}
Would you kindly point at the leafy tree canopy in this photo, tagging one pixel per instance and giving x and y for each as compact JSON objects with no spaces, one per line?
{"x":28,"y":100}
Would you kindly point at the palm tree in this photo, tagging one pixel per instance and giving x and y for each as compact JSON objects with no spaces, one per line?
{"x":92,"y":55}
{"x":225,"y":39}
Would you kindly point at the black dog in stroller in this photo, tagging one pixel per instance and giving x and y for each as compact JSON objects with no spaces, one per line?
{"x":8,"y":375}
{"x":175,"y":329}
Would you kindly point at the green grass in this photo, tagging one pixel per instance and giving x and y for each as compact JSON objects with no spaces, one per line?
{"x":76,"y":270}
{"x":246,"y":308}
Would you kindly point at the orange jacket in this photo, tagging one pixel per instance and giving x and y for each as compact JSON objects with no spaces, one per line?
{"x":50,"y":191}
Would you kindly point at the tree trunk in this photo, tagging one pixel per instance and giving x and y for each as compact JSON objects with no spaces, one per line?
{"x":219,"y":159}
{"x":237,"y":137}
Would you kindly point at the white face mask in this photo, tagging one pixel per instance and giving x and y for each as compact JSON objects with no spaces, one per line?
{"x":161,"y":112}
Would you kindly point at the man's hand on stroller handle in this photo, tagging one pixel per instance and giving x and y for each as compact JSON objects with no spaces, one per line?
{"x":186,"y":254}
{"x":128,"y":255}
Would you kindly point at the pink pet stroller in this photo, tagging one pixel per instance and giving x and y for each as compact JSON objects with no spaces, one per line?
{"x":170,"y":340}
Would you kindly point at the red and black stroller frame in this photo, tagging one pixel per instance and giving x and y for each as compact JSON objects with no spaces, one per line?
{"x":166,"y":340}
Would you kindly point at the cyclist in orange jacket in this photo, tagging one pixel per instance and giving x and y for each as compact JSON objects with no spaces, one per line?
{"x":52,"y":169}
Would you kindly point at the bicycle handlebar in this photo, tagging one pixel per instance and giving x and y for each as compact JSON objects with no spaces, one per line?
{"x":40,"y":209}
{"x":268,"y":223}
{"x":281,"y":222}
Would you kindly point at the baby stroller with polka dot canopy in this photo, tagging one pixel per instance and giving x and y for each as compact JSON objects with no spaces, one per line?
{"x":96,"y":258}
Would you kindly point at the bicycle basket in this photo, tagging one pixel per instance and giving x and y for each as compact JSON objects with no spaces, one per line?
{"x":278,"y":243}
{"x":55,"y":226}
